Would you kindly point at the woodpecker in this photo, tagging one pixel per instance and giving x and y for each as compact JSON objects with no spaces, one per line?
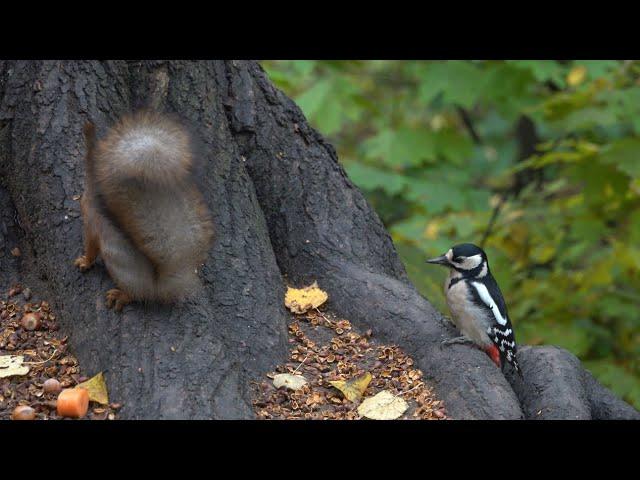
{"x":476,"y":303}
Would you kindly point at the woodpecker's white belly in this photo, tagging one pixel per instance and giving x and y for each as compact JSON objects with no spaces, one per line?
{"x":470,"y":319}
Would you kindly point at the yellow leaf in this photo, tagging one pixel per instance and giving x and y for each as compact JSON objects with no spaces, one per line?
{"x":494,"y":201}
{"x":431,"y":232}
{"x":300,"y":300}
{"x":383,"y":406}
{"x":543,"y":253}
{"x":513,"y":215}
{"x":11,"y":365}
{"x":576,"y":76}
{"x":354,"y":388}
{"x":97,"y":389}
{"x":437,"y":122}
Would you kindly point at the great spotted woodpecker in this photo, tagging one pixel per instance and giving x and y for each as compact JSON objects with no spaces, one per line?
{"x":476,"y":303}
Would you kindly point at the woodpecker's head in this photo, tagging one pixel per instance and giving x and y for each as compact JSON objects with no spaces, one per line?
{"x":466,"y":258}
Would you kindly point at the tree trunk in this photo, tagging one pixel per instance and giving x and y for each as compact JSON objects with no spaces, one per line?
{"x":282,"y":207}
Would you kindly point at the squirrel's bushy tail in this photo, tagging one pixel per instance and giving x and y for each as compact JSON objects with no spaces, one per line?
{"x":152,"y":222}
{"x":146,"y":147}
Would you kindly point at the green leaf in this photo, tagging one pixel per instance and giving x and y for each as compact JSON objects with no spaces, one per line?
{"x":312,"y":100}
{"x":402,"y":147}
{"x":574,"y":339}
{"x":624,"y":154}
{"x":618,"y":378}
{"x":370,"y":178}
{"x":459,"y":82}
{"x":599,"y":68}
{"x":544,"y":70}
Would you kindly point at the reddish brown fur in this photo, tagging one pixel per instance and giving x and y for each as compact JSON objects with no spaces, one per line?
{"x":150,"y":223}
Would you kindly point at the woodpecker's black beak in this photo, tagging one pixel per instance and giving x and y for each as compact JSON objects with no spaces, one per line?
{"x":441,"y":260}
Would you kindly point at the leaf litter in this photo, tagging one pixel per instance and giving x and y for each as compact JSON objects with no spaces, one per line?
{"x":349,"y":376}
{"x":37,"y":356}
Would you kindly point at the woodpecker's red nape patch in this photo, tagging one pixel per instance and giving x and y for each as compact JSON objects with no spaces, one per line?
{"x":494,"y":354}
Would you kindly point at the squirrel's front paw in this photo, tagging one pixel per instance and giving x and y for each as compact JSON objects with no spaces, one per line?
{"x":117,"y":298}
{"x":83,"y":263}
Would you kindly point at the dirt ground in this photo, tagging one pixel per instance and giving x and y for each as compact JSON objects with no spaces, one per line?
{"x":323,"y":349}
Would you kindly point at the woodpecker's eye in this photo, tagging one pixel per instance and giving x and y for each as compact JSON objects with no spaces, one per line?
{"x":458,"y":259}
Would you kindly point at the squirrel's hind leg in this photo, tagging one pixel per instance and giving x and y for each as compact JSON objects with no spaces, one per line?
{"x":117,"y":298}
{"x":85,"y":262}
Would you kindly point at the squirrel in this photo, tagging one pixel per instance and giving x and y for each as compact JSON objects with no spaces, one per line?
{"x":142,"y":210}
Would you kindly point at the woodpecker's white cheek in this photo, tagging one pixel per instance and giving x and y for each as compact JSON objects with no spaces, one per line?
{"x":470,"y":263}
{"x":484,"y":270}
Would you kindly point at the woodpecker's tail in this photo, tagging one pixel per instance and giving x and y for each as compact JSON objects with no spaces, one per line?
{"x":507,"y":357}
{"x":514,"y":362}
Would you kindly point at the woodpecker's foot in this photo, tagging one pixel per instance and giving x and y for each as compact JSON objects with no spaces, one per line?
{"x":458,"y":340}
{"x":83,"y":263}
{"x":117,"y":298}
{"x":494,"y":354}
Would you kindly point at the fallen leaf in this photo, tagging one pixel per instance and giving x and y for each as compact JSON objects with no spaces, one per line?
{"x":11,"y":365}
{"x":292,"y":382}
{"x":353,"y":389}
{"x":383,"y":406}
{"x":577,"y":75}
{"x":97,"y":389}
{"x":300,"y":300}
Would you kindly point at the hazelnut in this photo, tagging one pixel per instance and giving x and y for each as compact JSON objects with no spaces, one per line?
{"x":51,"y":386}
{"x":30,"y":321}
{"x":23,"y":412}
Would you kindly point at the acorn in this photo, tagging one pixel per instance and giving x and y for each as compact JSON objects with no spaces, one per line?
{"x":31,"y":321}
{"x":23,"y":412}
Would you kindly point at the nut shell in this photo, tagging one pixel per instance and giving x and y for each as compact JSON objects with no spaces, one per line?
{"x":31,"y":321}
{"x":23,"y":412}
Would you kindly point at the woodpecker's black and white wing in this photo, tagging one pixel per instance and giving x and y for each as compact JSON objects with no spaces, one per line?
{"x":486,"y":294}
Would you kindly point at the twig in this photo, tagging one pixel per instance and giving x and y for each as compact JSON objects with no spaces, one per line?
{"x":466,"y":119}
{"x":494,"y":217}
{"x":420,"y":384}
{"x":321,"y":314}
{"x":304,"y":360}
{"x":55,"y":350}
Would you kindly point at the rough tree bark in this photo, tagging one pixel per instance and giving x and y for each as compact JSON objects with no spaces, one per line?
{"x":284,"y":211}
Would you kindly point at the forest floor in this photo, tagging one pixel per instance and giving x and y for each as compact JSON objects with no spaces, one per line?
{"x":29,"y":330}
{"x":323,"y":349}
{"x":326,"y":349}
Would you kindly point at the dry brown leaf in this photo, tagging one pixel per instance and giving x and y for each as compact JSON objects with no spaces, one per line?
{"x":97,"y":389}
{"x":383,"y":406}
{"x":11,"y":365}
{"x":300,"y":300}
{"x":353,"y":389}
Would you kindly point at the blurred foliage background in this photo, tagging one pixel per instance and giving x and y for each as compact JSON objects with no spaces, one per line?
{"x":538,"y":161}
